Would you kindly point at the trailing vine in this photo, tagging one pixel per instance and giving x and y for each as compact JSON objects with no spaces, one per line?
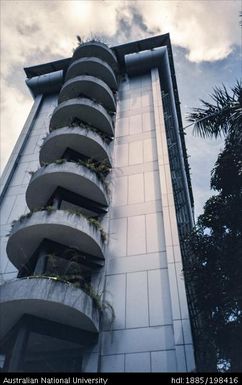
{"x":103,"y":306}
{"x":50,"y":209}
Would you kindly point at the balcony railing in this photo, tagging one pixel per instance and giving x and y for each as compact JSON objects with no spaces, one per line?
{"x":82,"y":140}
{"x":96,"y":49}
{"x":46,"y":298}
{"x":71,"y":176}
{"x":90,"y":87}
{"x":94,"y":67}
{"x":61,"y":226}
{"x":85,"y":110}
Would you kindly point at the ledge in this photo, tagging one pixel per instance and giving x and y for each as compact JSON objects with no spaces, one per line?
{"x":94,"y":67}
{"x":99,"y":50}
{"x":84,"y":109}
{"x":90,"y":87}
{"x":46,"y":298}
{"x":45,"y":84}
{"x":70,"y":176}
{"x":58,"y":226}
{"x":83,"y":141}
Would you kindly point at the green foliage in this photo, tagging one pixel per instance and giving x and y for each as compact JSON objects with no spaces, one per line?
{"x":91,"y":39}
{"x":220,"y":117}
{"x":214,"y":269}
{"x":101,"y":169}
{"x":79,"y":282}
{"x":93,"y":222}
{"x":104,"y":306}
{"x":50,"y":209}
{"x":76,"y":122}
{"x":227,"y":173}
{"x":60,"y":161}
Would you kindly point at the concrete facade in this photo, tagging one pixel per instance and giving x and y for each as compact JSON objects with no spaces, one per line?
{"x":142,"y":277}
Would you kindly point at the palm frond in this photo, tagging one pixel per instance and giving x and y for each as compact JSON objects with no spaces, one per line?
{"x":221,"y":115}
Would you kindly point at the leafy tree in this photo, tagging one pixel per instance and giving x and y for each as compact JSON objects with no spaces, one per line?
{"x":214,"y":269}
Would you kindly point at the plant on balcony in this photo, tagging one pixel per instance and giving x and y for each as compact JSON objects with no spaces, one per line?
{"x":76,"y":122}
{"x":102,"y":304}
{"x":60,"y":161}
{"x":110,"y":112}
{"x":50,"y":209}
{"x":92,"y":221}
{"x":101,"y":169}
{"x":79,"y":282}
{"x":91,"y":39}
{"x":83,"y":95}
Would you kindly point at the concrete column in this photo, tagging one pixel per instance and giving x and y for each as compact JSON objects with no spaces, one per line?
{"x":181,"y":323}
{"x":41,"y":262}
{"x":18,"y":351}
{"x":56,"y":202}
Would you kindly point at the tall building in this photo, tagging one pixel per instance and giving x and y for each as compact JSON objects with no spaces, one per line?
{"x":95,"y":202}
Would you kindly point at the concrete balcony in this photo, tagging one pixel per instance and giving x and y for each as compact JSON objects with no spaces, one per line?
{"x":70,"y":176}
{"x":93,"y":66}
{"x":48,"y":299}
{"x":59,"y":226}
{"x":85,"y":110}
{"x":83,"y":141}
{"x":99,"y":50}
{"x":89,"y":87}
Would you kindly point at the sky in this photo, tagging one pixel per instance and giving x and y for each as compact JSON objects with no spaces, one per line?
{"x":206,"y":40}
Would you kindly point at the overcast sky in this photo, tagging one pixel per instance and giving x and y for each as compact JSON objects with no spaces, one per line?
{"x":205,"y":35}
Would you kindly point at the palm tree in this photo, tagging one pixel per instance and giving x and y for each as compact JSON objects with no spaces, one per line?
{"x":214,"y":266}
{"x":224,"y":116}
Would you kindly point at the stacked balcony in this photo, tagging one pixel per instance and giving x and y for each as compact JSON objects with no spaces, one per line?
{"x":60,"y":243}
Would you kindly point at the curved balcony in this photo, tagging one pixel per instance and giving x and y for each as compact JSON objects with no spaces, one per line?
{"x":70,"y":176}
{"x":59,"y":226}
{"x":99,"y":50}
{"x":49,"y":299}
{"x":89,"y":87}
{"x":83,"y":109}
{"x":83,"y":141}
{"x":94,"y":67}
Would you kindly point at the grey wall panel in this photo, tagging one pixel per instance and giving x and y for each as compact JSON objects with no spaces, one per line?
{"x":164,"y":361}
{"x":115,"y":292}
{"x":159,"y":297}
{"x":13,"y":204}
{"x":112,"y":363}
{"x":140,"y":262}
{"x":136,"y":235}
{"x":118,"y":237}
{"x":137,"y":313}
{"x":138,"y":340}
{"x":137,"y":362}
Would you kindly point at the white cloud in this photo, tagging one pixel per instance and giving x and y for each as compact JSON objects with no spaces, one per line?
{"x":207,"y":29}
{"x":14,"y":109}
{"x":38,"y":31}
